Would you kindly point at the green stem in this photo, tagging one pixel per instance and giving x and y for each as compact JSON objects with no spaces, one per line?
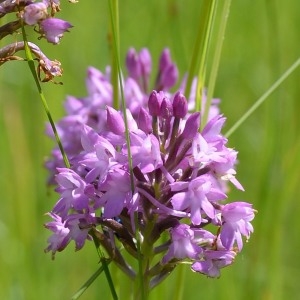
{"x":115,"y":52}
{"x":139,"y":285}
{"x":199,"y":51}
{"x":36,"y":79}
{"x":195,"y":56}
{"x":104,"y":263}
{"x":89,"y":281}
{"x":209,"y":10}
{"x":261,"y":100}
{"x":216,"y":61}
{"x":179,"y":288}
{"x":113,"y":6}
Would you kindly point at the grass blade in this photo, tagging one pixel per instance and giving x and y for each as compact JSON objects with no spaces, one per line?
{"x":262,"y":99}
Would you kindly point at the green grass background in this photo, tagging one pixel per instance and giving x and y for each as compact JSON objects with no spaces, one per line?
{"x":262,"y":40}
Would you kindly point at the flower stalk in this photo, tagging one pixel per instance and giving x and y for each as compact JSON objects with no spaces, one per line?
{"x":43,"y":99}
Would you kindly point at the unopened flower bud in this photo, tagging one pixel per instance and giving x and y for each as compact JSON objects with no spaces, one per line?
{"x":115,"y":122}
{"x":191,"y":126}
{"x":97,"y":83}
{"x":166,"y":109}
{"x":169,"y":76}
{"x":145,"y":61}
{"x":165,"y":60}
{"x":180,"y":107}
{"x":154,"y":103}
{"x":133,"y":64}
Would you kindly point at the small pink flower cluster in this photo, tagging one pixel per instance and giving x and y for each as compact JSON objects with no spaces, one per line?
{"x":171,"y":178}
{"x":41,"y":16}
{"x":49,"y":27}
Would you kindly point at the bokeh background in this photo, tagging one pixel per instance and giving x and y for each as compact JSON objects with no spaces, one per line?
{"x":262,"y":40}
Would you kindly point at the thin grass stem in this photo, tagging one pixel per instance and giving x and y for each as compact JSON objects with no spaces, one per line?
{"x":104,"y":262}
{"x":89,"y":282}
{"x":197,"y":51}
{"x":115,"y":53}
{"x":262,"y":99}
{"x":216,"y":60}
{"x":210,"y":10}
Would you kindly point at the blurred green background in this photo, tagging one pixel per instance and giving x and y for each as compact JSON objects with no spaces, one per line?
{"x":262,"y":40}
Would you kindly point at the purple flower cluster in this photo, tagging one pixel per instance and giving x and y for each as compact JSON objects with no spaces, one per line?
{"x":41,"y":16}
{"x":169,"y":184}
{"x":49,"y":27}
{"x":40,"y":13}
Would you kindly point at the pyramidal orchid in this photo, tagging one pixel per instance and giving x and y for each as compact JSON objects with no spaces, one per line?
{"x":179,"y":184}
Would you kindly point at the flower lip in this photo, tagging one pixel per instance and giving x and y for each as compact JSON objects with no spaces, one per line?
{"x":53,"y":29}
